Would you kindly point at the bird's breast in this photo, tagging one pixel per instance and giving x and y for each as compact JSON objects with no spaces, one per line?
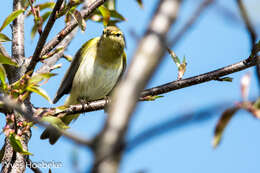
{"x":95,"y":80}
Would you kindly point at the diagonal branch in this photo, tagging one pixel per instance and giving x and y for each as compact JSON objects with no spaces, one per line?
{"x":43,"y":37}
{"x":251,"y":31}
{"x":69,"y":28}
{"x":50,"y":62}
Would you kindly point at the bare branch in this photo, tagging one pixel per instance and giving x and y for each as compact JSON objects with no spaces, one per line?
{"x":17,"y":43}
{"x":148,"y":55}
{"x":50,"y":62}
{"x":213,"y":75}
{"x":248,"y":23}
{"x":44,"y":35}
{"x":64,"y":32}
{"x":251,"y":31}
{"x":168,"y":87}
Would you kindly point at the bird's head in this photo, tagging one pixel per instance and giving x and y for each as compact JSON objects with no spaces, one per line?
{"x":114,"y":35}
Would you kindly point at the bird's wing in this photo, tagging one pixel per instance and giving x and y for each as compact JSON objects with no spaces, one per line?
{"x":67,"y":80}
{"x":124,"y":65}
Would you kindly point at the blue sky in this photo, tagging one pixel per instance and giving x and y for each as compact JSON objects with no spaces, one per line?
{"x":214,"y":41}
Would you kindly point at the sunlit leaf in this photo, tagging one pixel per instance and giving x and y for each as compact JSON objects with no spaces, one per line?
{"x":2,"y":76}
{"x":174,"y":57}
{"x":222,"y":123}
{"x":56,"y":122}
{"x":4,"y":38}
{"x":17,"y":145}
{"x":10,"y":18}
{"x":35,"y":79}
{"x":80,"y":20}
{"x":39,"y":91}
{"x":105,"y":13}
{"x":46,"y":5}
{"x":151,"y":98}
{"x":7,"y":60}
{"x":181,"y":66}
{"x":182,"y":69}
{"x":116,"y":15}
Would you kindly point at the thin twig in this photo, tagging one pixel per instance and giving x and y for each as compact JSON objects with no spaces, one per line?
{"x":201,"y":78}
{"x":36,"y":55}
{"x":251,"y":31}
{"x":50,"y":62}
{"x":69,"y":28}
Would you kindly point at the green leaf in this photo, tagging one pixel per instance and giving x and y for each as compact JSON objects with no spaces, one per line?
{"x":222,"y":123}
{"x":39,"y":91}
{"x":7,"y":60}
{"x":4,"y":38}
{"x":10,"y":18}
{"x":80,"y":20}
{"x":56,"y":122}
{"x":17,"y":145}
{"x":46,"y":5}
{"x":2,"y":76}
{"x":116,"y":15}
{"x":35,"y":79}
{"x":105,"y":13}
{"x":151,"y":98}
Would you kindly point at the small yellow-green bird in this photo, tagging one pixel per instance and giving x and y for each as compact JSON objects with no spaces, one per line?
{"x":93,"y":73}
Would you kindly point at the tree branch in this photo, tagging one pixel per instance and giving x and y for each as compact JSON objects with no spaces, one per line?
{"x":28,"y":115}
{"x":251,"y":31}
{"x":168,"y":87}
{"x":213,"y":75}
{"x":50,"y":62}
{"x":64,"y":32}
{"x":36,"y":55}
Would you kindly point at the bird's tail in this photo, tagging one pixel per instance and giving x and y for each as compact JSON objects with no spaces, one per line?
{"x":53,"y":135}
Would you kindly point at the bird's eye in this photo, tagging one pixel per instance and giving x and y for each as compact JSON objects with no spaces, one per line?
{"x":118,"y":34}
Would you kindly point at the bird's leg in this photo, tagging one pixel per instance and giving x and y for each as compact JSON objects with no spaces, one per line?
{"x":83,"y":101}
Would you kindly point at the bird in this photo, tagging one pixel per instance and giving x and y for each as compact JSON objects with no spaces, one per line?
{"x":93,"y":73}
